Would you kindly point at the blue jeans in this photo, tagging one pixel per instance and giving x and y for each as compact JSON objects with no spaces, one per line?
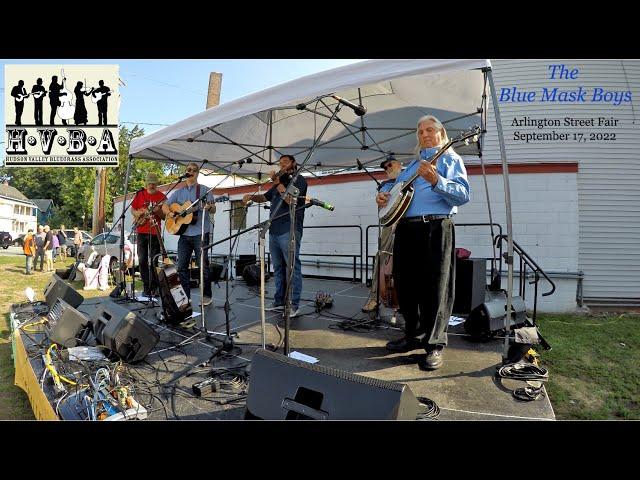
{"x":187,"y":245}
{"x":28,"y":264}
{"x":279,"y":249}
{"x":40,"y":255}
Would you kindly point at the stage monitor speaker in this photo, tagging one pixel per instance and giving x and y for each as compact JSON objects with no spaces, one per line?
{"x":281,"y":388}
{"x":251,"y":275}
{"x":123,"y":332}
{"x":470,"y":284}
{"x":490,"y":316}
{"x":242,"y":262}
{"x":58,"y":288}
{"x":65,"y":325}
{"x":217,"y":271}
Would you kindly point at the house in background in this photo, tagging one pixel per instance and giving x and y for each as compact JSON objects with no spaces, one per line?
{"x":17,"y":213}
{"x":45,"y":209}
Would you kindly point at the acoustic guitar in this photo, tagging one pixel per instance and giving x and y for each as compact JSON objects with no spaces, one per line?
{"x":97,"y":96}
{"x":178,"y":225}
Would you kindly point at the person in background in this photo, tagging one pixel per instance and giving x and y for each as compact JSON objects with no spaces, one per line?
{"x":39,"y":239}
{"x":77,"y":241}
{"x":55,"y":243}
{"x":62,"y":239}
{"x":48,"y":249}
{"x":29,"y":249}
{"x":392,"y":168}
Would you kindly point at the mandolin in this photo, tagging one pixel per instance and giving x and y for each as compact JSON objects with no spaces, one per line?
{"x":142,"y":216}
{"x":178,"y":225}
{"x":401,"y":194}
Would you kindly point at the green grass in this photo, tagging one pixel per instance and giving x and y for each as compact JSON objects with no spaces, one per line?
{"x":593,"y":365}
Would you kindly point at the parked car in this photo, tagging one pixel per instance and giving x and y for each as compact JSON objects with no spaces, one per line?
{"x":71,"y":248}
{"x":109,"y":244}
{"x":5,"y":240}
{"x":19,"y":241}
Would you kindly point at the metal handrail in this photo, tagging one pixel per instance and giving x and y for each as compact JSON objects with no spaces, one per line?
{"x":527,"y":261}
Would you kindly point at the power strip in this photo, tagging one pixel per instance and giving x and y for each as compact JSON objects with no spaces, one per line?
{"x":134,"y":413}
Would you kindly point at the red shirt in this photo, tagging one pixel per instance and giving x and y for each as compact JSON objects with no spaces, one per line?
{"x":142,"y":200}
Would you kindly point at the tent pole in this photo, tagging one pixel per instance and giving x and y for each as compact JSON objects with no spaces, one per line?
{"x":123,"y":268}
{"x":507,"y":202}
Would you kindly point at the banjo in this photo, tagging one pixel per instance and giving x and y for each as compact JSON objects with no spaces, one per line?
{"x":402,"y":192}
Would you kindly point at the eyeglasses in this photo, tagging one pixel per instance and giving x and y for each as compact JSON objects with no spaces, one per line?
{"x":191,"y":169}
{"x":387,"y":166}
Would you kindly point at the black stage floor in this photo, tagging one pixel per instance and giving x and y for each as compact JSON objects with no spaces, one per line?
{"x":465,"y":388}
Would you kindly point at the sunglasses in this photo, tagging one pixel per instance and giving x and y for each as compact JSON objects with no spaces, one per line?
{"x":191,"y":169}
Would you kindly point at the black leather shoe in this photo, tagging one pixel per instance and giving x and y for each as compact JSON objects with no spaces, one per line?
{"x":403,"y":345}
{"x":432,"y":361}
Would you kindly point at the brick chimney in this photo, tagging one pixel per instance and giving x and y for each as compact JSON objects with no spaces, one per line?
{"x":215,"y":85}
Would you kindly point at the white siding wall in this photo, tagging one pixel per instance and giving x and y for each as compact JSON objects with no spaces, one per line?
{"x":10,"y":222}
{"x":550,"y":238}
{"x":609,"y":171}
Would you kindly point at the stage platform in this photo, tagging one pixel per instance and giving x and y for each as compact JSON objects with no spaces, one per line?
{"x":465,"y":388}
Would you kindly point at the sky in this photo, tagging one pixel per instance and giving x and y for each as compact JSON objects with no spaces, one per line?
{"x":183,"y":84}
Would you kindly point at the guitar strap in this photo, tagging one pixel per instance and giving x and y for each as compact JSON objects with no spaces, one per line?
{"x":195,"y":214}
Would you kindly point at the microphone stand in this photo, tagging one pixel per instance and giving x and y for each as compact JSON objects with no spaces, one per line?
{"x":264,"y":227}
{"x":293,"y":192}
{"x":362,"y":167}
{"x":202,"y":199}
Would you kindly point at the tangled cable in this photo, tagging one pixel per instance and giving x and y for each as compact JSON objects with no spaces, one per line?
{"x":323,"y":300}
{"x":523,"y":371}
{"x":432,"y":410}
{"x":527,"y":372}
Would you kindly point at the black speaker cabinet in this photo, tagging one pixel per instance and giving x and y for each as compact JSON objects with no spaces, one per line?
{"x":123,"y":332}
{"x":58,"y":288}
{"x":242,"y":262}
{"x":251,"y":275}
{"x":281,"y":388}
{"x":490,"y":316}
{"x":217,"y":271}
{"x":470,"y":284}
{"x":65,"y":324}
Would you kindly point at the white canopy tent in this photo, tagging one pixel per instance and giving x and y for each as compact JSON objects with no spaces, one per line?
{"x":304,"y":118}
{"x":395,"y":94}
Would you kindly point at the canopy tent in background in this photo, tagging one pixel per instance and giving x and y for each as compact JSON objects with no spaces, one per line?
{"x":303,"y":118}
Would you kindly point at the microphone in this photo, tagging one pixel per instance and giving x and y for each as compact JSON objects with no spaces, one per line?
{"x":359,"y":110}
{"x":360,"y":167}
{"x":186,"y":175}
{"x":320,"y":203}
